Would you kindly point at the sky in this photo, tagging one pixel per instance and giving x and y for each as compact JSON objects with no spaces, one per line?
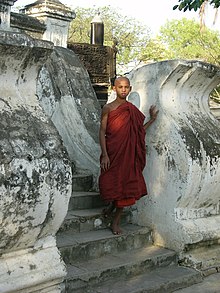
{"x":151,"y":13}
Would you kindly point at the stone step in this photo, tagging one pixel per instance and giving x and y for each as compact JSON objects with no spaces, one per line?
{"x":161,"y":280}
{"x":205,"y":258}
{"x":85,"y":200}
{"x":94,"y":244}
{"x":82,"y":182}
{"x":89,"y":219}
{"x":210,"y":284}
{"x":135,"y":264}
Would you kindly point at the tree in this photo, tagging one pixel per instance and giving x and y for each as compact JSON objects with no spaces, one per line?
{"x":129,"y":34}
{"x":183,"y":39}
{"x":195,"y":4}
{"x":155,"y":50}
{"x":215,"y":95}
{"x":198,"y":4}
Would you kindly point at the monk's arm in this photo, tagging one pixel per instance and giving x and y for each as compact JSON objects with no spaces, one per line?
{"x":148,"y":123}
{"x":105,"y":162}
{"x":153,"y":115}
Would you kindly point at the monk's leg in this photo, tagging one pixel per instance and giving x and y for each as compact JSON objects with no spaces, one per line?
{"x":108,"y":211}
{"x":116,"y":221}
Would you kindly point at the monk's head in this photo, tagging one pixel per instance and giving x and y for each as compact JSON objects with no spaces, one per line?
{"x":122,"y":87}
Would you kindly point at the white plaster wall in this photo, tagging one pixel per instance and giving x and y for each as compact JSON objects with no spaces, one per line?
{"x":182,"y":171}
{"x":67,"y":96}
{"x":35,"y":173}
{"x":56,"y":32}
{"x":37,"y":269}
{"x":56,"y":16}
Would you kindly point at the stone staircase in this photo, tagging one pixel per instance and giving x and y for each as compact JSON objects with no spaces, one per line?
{"x":99,"y":262}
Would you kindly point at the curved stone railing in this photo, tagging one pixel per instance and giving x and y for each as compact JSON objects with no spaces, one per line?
{"x":35,"y":184}
{"x":183,"y":153}
{"x":66,"y":94}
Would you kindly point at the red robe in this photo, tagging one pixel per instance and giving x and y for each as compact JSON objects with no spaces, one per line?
{"x":123,"y":183}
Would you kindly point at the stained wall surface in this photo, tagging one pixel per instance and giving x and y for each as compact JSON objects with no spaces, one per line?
{"x":35,"y":173}
{"x":66,"y":94}
{"x":183,"y":152}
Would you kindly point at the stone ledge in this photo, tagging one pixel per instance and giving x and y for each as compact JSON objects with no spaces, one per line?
{"x":29,"y":270}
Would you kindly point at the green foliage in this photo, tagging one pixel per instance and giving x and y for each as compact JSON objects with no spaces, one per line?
{"x":153,"y":51}
{"x":178,"y":39}
{"x":215,"y":95}
{"x":185,"y":40}
{"x":195,"y":4}
{"x":129,"y":34}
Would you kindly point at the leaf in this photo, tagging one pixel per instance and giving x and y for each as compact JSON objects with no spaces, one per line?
{"x":175,"y":7}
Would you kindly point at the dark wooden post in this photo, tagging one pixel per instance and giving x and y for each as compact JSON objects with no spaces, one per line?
{"x":97,"y":31}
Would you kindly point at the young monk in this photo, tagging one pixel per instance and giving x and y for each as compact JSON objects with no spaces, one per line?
{"x":123,"y":152}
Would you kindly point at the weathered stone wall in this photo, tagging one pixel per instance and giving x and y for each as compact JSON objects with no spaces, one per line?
{"x":183,"y":153}
{"x":55,"y":16}
{"x":23,"y":23}
{"x":50,"y":21}
{"x":67,"y":96}
{"x":100,"y":64}
{"x":35,"y":177}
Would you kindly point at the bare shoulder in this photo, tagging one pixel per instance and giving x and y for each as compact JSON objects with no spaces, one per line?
{"x":106,"y":109}
{"x":109,"y":107}
{"x":113,"y":105}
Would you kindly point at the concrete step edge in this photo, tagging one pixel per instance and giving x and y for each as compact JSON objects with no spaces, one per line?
{"x":84,"y":213}
{"x":89,"y":219}
{"x":94,"y":244}
{"x":85,"y":193}
{"x":163,"y":279}
{"x":85,"y":199}
{"x":89,"y":213}
{"x":124,"y":264}
{"x":82,"y":182}
{"x":141,"y":257}
{"x":65,"y":239}
{"x":203,"y":257}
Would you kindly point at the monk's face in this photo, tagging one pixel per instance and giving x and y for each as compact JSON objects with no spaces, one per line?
{"x":122,"y":87}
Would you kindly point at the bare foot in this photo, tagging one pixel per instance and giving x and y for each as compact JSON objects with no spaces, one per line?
{"x":116,"y":229}
{"x":116,"y":222}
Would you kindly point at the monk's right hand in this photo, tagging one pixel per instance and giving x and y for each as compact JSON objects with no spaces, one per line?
{"x":105,"y":162}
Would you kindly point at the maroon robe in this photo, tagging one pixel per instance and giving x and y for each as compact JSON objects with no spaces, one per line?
{"x":123,"y":183}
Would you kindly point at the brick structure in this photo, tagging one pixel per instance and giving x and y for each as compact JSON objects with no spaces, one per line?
{"x":100,"y":64}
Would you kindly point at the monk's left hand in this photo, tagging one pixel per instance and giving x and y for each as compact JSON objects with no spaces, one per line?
{"x":105,"y":163}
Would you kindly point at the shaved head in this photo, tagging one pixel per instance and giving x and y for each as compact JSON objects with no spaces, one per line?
{"x":121,"y":78}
